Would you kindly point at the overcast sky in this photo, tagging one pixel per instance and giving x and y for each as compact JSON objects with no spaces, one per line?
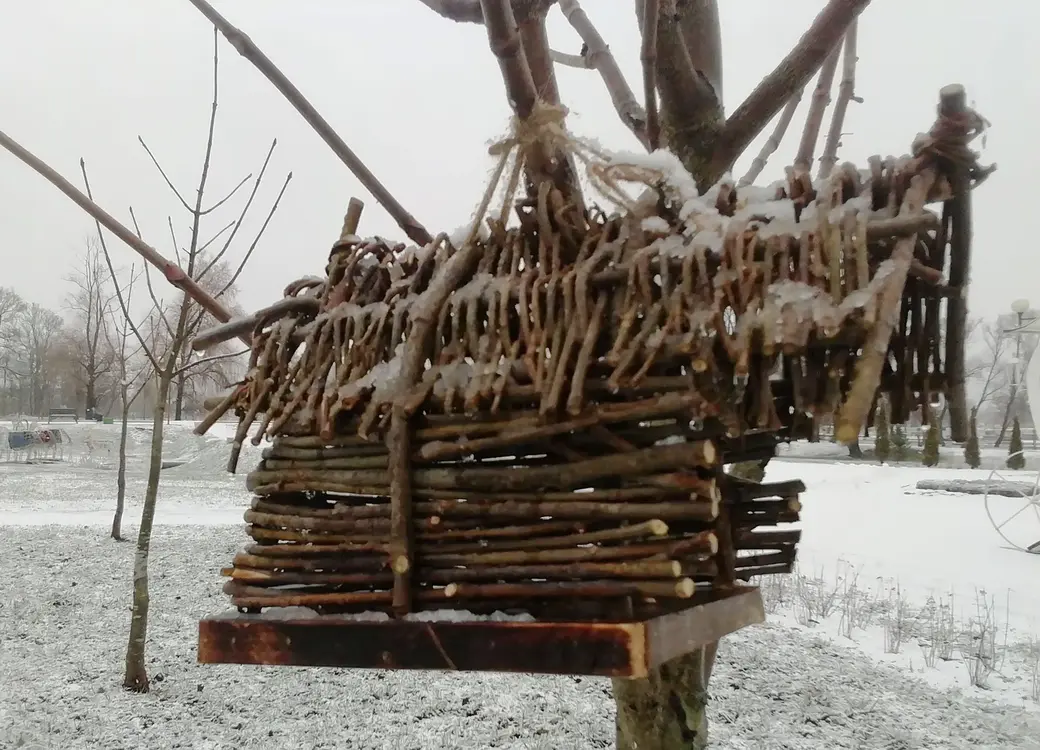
{"x":418,"y":98}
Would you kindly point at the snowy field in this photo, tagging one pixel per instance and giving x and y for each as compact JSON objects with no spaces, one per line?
{"x":902,"y":600}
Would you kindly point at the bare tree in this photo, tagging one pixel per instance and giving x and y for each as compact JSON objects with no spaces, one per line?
{"x":12,"y":306}
{"x":90,"y":302}
{"x":36,"y":334}
{"x":133,"y":376}
{"x":164,"y":352}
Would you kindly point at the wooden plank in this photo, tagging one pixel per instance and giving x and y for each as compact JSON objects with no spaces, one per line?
{"x":609,"y":649}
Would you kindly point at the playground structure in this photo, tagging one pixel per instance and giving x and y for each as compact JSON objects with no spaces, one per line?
{"x":28,"y":443}
{"x":1019,"y":526}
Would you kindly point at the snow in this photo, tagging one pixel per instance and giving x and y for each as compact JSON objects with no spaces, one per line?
{"x":873,"y":546}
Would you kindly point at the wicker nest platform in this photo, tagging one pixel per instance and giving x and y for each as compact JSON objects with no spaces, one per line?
{"x":533,"y":421}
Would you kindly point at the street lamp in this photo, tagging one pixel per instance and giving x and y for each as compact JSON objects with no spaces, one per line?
{"x":1019,"y":307}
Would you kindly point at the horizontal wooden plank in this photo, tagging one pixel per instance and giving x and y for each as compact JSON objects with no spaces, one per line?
{"x":615,"y":649}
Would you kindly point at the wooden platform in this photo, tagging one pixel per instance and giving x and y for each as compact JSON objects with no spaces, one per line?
{"x":611,"y":649}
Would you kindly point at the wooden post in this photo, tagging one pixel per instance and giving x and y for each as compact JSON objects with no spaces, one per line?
{"x":953,"y":102}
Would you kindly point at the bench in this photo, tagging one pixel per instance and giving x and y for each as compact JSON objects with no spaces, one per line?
{"x":54,"y":414}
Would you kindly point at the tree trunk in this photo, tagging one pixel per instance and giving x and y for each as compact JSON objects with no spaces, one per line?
{"x":668,"y":709}
{"x":136,"y":677}
{"x":1007,"y":418}
{"x":117,"y":518}
{"x":178,"y":402}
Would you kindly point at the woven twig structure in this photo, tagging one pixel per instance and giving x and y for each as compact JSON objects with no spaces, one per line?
{"x":536,"y":417}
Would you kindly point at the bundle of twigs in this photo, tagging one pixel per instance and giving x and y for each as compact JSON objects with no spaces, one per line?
{"x":517,"y":528}
{"x":555,"y":399}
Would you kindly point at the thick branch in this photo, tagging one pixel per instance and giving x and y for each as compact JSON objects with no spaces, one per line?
{"x":535,"y":42}
{"x":245,"y":47}
{"x":504,"y":40}
{"x":789,"y":77}
{"x":846,"y":93}
{"x":817,"y":108}
{"x":702,"y":34}
{"x":648,"y":55}
{"x":462,"y":11}
{"x":599,"y":57}
{"x":691,"y":114}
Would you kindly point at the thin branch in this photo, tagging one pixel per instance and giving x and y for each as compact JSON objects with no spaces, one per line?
{"x":817,"y":109}
{"x":160,"y":309}
{"x":245,"y":208}
{"x":573,"y":61}
{"x":112,"y":272}
{"x":205,"y":245}
{"x":651,"y":11}
{"x":196,"y":213}
{"x":162,"y":172}
{"x":846,"y":94}
{"x":245,"y":47}
{"x":173,"y":273}
{"x":173,"y":237}
{"x":773,"y":142}
{"x":599,"y":57}
{"x":207,"y":360}
{"x":462,"y":11}
{"x":789,"y":77}
{"x":227,"y":197}
{"x":259,"y":234}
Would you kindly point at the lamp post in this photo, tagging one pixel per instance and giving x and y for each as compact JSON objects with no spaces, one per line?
{"x":1018,"y":308}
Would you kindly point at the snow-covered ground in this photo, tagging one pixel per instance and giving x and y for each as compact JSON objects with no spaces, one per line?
{"x":902,"y":599}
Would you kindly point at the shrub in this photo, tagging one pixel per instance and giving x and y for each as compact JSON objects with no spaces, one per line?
{"x":972,"y":456}
{"x":1016,"y":459}
{"x":899,"y":442}
{"x":883,"y":432}
{"x":930,"y":454}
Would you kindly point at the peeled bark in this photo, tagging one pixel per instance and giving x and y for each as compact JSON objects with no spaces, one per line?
{"x":136,"y":675}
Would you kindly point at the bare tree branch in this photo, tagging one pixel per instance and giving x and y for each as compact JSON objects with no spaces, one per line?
{"x":462,"y":11}
{"x":846,"y":94}
{"x":162,"y":172}
{"x":648,"y":55}
{"x":773,"y":142}
{"x":173,"y":237}
{"x":209,"y":360}
{"x":245,"y":209}
{"x":599,"y":57}
{"x":227,"y":197}
{"x":573,"y":61}
{"x":115,"y":281}
{"x":789,"y":77}
{"x":196,"y":213}
{"x":160,"y":309}
{"x":535,"y":42}
{"x":245,"y":47}
{"x":702,"y":34}
{"x":817,"y":108}
{"x":259,"y":234}
{"x":173,"y":273}
{"x":505,"y":44}
{"x":691,"y":113}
